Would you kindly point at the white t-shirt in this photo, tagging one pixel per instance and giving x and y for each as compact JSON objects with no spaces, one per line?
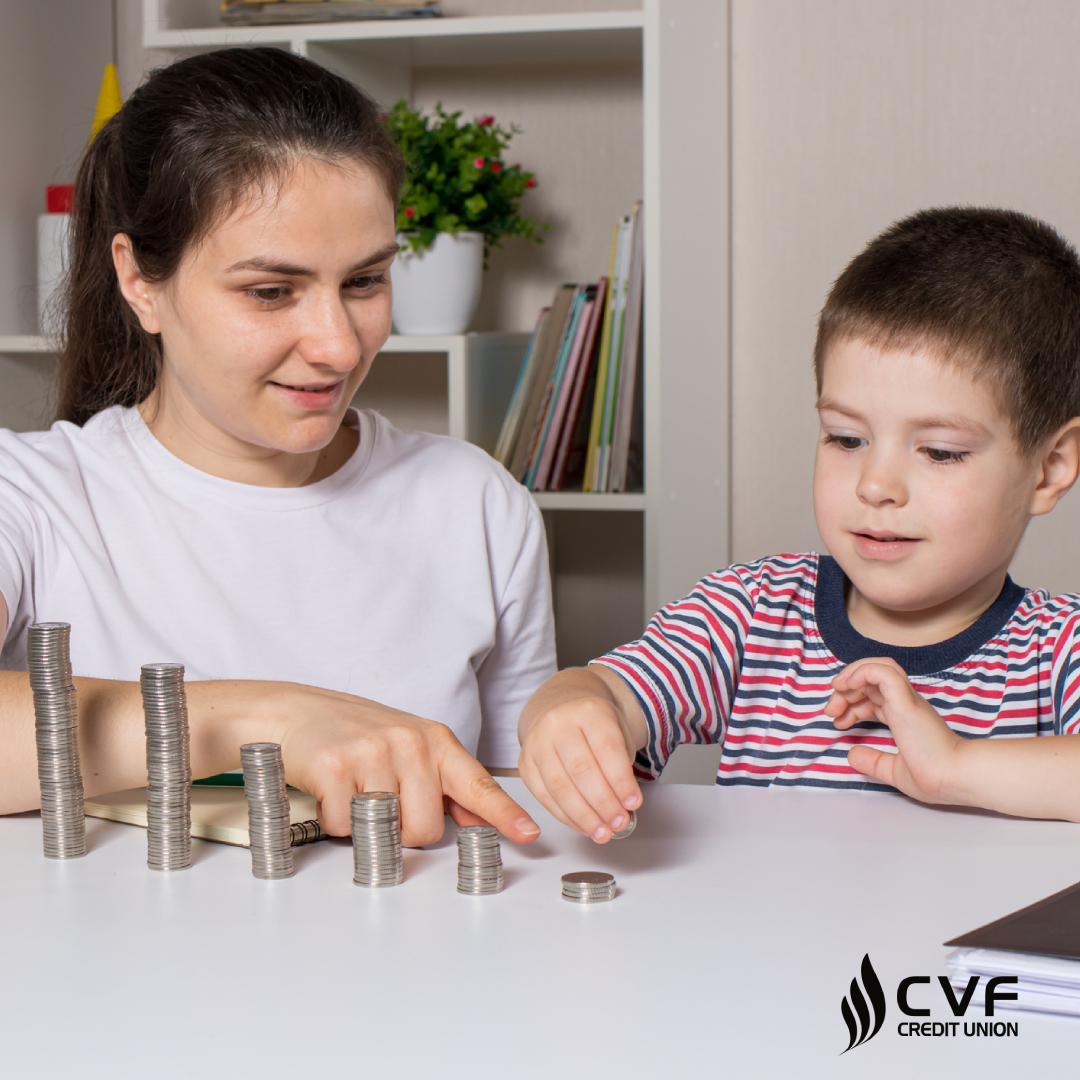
{"x":416,"y":575}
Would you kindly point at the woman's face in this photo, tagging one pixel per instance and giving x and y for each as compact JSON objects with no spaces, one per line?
{"x":271,"y":322}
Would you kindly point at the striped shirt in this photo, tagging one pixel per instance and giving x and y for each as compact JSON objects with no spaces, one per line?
{"x":746,"y":659}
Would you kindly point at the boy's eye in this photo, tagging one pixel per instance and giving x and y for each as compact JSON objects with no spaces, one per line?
{"x":845,"y":442}
{"x":943,"y":457}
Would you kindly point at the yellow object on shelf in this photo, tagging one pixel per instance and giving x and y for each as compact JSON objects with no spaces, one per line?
{"x":109,"y":100}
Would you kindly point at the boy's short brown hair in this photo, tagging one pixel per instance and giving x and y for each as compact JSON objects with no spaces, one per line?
{"x":994,"y":291}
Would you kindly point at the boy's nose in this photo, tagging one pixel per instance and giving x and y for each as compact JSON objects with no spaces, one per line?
{"x":880,"y":483}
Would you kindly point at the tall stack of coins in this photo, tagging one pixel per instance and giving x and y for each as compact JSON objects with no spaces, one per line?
{"x":168,"y":767}
{"x":268,"y":810}
{"x":56,"y":728}
{"x":588,"y":887}
{"x":480,"y":869}
{"x":376,"y":837}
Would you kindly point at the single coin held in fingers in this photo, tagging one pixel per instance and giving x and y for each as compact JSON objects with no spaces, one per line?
{"x":631,"y":825}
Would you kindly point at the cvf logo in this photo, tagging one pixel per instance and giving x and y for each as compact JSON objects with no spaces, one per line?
{"x":861,"y":1004}
{"x":863,"y":1008}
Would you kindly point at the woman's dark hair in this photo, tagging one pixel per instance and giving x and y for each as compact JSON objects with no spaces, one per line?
{"x":185,"y":149}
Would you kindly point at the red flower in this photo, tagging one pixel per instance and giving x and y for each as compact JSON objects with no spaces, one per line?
{"x":496,"y":167}
{"x":485,"y":121}
{"x":530,"y":183}
{"x":409,"y":211}
{"x":478,"y":163}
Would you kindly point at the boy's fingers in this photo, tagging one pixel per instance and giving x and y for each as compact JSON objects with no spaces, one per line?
{"x":874,"y":763}
{"x":592,"y":785}
{"x":535,"y":783}
{"x":564,"y":790}
{"x":473,"y":788}
{"x":609,"y":748}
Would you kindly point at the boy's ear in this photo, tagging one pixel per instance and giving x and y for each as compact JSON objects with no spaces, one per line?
{"x":1058,"y":467}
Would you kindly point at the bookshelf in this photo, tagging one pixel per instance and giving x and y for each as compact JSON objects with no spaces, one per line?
{"x":615,"y":105}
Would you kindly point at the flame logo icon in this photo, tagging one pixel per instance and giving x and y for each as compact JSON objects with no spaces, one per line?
{"x":860,"y":1031}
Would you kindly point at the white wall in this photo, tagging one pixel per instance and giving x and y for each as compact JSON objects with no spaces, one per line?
{"x":846,"y":116}
{"x":51,"y":60}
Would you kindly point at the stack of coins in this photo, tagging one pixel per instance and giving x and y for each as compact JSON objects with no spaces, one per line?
{"x":376,"y":837}
{"x":588,"y":887}
{"x":268,"y":810}
{"x":168,"y":767}
{"x":479,"y":869}
{"x":56,"y":727}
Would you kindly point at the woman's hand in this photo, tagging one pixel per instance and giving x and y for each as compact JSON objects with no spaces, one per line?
{"x":335,"y":745}
{"x":579,"y":733}
{"x":927,"y":764}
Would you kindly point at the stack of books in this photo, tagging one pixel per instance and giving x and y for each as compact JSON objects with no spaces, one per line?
{"x":271,"y":12}
{"x":1035,"y":949}
{"x":575,"y":417}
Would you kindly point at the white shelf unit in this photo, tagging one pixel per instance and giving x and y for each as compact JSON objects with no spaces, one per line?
{"x":678,"y":529}
{"x":684,"y":53}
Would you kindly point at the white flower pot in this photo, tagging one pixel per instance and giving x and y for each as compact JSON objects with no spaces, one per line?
{"x":436,"y":290}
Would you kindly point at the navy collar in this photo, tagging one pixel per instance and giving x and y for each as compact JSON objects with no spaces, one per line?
{"x":848,"y":645}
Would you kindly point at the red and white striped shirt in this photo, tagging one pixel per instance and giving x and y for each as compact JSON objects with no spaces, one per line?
{"x":746,"y":659}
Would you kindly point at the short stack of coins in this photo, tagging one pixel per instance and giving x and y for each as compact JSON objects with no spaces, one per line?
{"x":588,"y":887}
{"x":268,"y":811}
{"x":376,"y":837}
{"x":56,"y":727}
{"x":480,"y":869}
{"x":168,"y":767}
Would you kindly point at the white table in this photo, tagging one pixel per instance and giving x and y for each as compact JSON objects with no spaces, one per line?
{"x":742,"y":916}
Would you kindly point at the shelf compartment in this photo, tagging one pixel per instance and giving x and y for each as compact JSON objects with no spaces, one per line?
{"x":504,"y":39}
{"x":588,"y":500}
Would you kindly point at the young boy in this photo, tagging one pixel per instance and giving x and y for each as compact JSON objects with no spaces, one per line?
{"x":948,"y":377}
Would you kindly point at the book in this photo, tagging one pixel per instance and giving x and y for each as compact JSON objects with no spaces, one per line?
{"x":629,"y":359}
{"x":547,"y":351}
{"x":611,"y":383}
{"x":586,"y":370}
{"x":217,"y":813}
{"x":508,"y":435}
{"x":1038,"y":946}
{"x":271,"y":12}
{"x":601,"y":371}
{"x":541,"y":463}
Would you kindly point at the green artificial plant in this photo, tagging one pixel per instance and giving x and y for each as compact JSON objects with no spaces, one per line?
{"x":457,"y":179}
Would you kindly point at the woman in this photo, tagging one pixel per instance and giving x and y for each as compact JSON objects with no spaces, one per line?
{"x":377,"y":601}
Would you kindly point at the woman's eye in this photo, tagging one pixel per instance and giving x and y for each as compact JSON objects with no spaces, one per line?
{"x":269,"y":294}
{"x":845,"y":442}
{"x":944,"y":457}
{"x":367,"y":282}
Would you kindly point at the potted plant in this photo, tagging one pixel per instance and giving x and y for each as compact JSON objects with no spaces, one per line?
{"x":459,"y":201}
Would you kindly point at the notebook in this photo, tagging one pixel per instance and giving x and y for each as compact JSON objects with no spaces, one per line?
{"x":217,"y":813}
{"x":1039,"y":945}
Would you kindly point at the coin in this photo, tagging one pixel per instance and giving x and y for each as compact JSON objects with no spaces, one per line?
{"x":630,"y":826}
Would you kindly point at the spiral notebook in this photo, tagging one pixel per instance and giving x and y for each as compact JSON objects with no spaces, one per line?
{"x":217,"y":813}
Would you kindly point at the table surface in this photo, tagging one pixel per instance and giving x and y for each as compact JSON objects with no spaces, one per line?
{"x":742,"y":916}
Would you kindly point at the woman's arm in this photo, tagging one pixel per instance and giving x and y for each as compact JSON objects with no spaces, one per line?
{"x":333,"y":745}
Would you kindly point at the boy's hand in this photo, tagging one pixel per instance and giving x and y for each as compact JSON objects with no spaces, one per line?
{"x":926,"y":766}
{"x":577,"y":750}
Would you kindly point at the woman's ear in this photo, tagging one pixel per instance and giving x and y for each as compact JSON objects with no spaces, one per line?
{"x":1058,"y":467}
{"x":138,"y":292}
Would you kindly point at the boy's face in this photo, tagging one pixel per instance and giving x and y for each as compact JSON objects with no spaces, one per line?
{"x":920,"y":491}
